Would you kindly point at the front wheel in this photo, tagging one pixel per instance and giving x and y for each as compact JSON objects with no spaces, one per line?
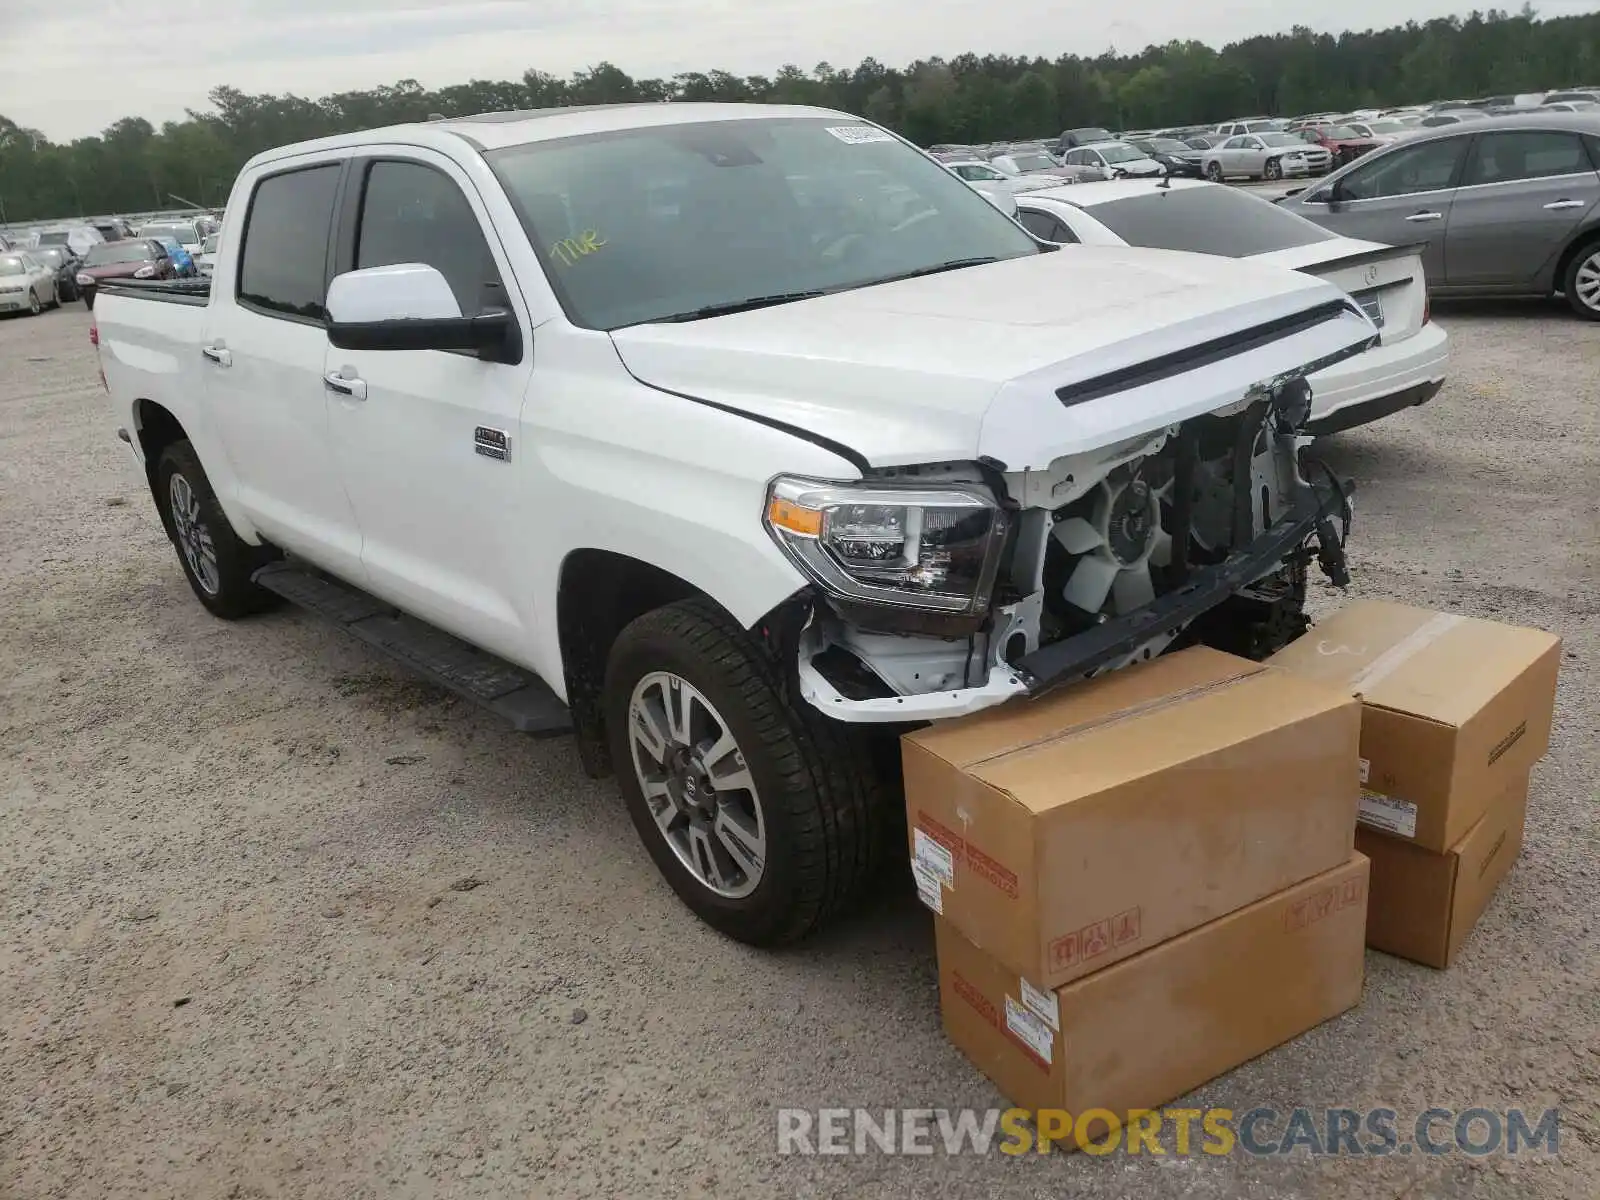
{"x":1214,"y":172}
{"x":1582,"y":284}
{"x":1274,"y":169}
{"x":35,"y":306}
{"x":216,"y":561}
{"x":766,"y":819}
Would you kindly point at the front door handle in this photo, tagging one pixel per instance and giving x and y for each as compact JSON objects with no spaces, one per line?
{"x":1558,"y":205}
{"x":218,"y":355}
{"x":1426,"y":216}
{"x":356,"y":389}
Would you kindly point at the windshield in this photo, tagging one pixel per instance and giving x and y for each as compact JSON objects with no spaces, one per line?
{"x":1116,"y":154}
{"x":49,"y":256}
{"x":102,"y":253}
{"x":1208,"y":220}
{"x":55,"y":238}
{"x":1032,"y":162}
{"x":1339,"y":132}
{"x":1280,"y":139}
{"x":10,"y":264}
{"x":184,"y":234}
{"x":659,"y":223}
{"x":1164,"y":146}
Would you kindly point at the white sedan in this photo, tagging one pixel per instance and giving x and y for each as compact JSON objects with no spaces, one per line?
{"x":26,"y":284}
{"x":1406,"y":368}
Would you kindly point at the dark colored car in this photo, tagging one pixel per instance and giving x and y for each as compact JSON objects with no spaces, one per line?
{"x":134,"y":258}
{"x":113,"y":229}
{"x":1344,"y":143}
{"x":1177,"y":157}
{"x":65,"y":264}
{"x":1086,"y":135}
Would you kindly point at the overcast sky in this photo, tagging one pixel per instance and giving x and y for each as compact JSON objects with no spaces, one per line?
{"x":71,"y":67}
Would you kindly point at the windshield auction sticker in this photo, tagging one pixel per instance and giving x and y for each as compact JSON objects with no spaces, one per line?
{"x":857,"y":135}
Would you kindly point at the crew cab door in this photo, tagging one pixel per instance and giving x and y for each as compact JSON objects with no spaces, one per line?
{"x":262,"y":352}
{"x":1522,"y":195}
{"x":442,"y":522}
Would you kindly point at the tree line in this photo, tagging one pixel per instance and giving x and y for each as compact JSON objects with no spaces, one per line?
{"x":133,"y":166}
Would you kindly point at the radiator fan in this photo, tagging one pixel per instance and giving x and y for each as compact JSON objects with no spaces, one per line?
{"x":1115,"y":545}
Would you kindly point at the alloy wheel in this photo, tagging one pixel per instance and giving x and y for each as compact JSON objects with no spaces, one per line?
{"x":194,"y":539}
{"x":34,"y":306}
{"x":697,"y":784}
{"x":1586,"y":281}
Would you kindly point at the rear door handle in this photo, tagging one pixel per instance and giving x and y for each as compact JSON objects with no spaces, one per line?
{"x":1557,"y":205}
{"x":1426,"y":216}
{"x":356,"y":389}
{"x":218,"y":355}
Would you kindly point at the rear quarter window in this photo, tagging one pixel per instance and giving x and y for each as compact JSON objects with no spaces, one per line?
{"x":1206,"y":220}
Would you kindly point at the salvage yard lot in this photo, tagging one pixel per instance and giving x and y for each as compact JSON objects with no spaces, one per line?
{"x":277,"y":919}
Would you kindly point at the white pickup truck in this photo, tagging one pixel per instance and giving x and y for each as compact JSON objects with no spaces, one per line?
{"x":731,"y":439}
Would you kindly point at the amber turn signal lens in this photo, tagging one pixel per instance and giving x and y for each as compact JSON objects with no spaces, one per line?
{"x":785,"y":514}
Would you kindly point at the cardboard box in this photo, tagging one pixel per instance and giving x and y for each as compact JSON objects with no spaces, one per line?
{"x":1455,"y":710}
{"x":1423,"y":904}
{"x":1067,"y":833}
{"x":1160,"y":1024}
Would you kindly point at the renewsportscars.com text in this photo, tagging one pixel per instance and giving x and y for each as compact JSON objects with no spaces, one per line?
{"x":1373,"y":1132}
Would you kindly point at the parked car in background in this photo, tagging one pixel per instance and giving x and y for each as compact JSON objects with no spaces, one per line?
{"x":1023,"y":165}
{"x":206,"y":261}
{"x":994,"y":186}
{"x":1082,"y":136}
{"x":112,"y":229}
{"x":1114,"y":160}
{"x":26,"y":284}
{"x":132,"y":258}
{"x":1572,"y":106}
{"x":63,"y":263}
{"x":185,"y":233}
{"x":77,"y":238}
{"x":1251,"y":125}
{"x":1589,"y":95}
{"x":1263,"y":156}
{"x":1340,"y":141}
{"x":183,"y":264}
{"x":1453,"y":116}
{"x":1503,"y":207}
{"x":1381,"y":129}
{"x":1176,"y":158}
{"x":1405,"y":369}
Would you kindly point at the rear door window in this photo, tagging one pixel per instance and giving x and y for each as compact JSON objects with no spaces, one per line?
{"x":283,"y":262}
{"x":1524,"y":154}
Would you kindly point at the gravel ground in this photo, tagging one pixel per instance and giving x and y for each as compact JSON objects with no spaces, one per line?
{"x":278,"y":920}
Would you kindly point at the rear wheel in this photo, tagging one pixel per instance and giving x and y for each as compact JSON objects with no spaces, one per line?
{"x":766,"y":819}
{"x":1582,"y":284}
{"x":216,"y":561}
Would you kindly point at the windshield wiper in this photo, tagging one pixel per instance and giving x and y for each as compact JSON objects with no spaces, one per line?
{"x":954,"y":264}
{"x":738,"y":306}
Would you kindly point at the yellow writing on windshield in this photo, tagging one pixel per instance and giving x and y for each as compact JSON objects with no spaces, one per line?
{"x":570,"y":250}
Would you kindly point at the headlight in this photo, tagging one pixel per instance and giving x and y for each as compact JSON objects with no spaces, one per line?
{"x":935,"y":549}
{"x":145,"y":272}
{"x":85,"y":278}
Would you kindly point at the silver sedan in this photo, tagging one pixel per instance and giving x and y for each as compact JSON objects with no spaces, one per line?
{"x":26,"y":284}
{"x":1258,"y":156}
{"x":1508,"y":206}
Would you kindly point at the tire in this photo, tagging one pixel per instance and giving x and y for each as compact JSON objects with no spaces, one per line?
{"x":820,"y":806}
{"x":1272,"y":170}
{"x":221,"y":578}
{"x":55,"y":296}
{"x":1581,"y":284}
{"x":1214,"y":172}
{"x":34,"y":306}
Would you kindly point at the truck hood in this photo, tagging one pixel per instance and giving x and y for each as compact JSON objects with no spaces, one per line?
{"x":968,"y":364}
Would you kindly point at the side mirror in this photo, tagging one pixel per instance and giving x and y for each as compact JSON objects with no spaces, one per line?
{"x":409,"y":306}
